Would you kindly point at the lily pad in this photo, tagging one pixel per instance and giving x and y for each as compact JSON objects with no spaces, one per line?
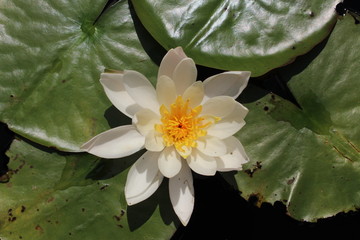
{"x":76,"y":196}
{"x":256,"y":36}
{"x":51,"y":55}
{"x":309,"y":157}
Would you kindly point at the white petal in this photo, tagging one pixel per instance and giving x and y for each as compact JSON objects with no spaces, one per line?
{"x":169,"y":162}
{"x":181,"y":191}
{"x":143,"y":178}
{"x":154,"y":141}
{"x":140,"y":89}
{"x":235,"y":158}
{"x":179,"y":51}
{"x":201,"y":163}
{"x":185,"y":151}
{"x":145,"y":121}
{"x":230,"y":124}
{"x":115,"y":91}
{"x":226,"y":84}
{"x":195,"y":93}
{"x":184,"y":75}
{"x":115,"y":143}
{"x":220,"y":106}
{"x":211,"y":146}
{"x":169,"y":62}
{"x":166,"y":90}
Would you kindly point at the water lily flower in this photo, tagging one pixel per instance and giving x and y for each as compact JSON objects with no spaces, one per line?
{"x":183,"y":124}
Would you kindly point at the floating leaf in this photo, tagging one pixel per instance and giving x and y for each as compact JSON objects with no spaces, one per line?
{"x":309,"y":158}
{"x":51,"y":55}
{"x":76,"y":196}
{"x":256,"y":36}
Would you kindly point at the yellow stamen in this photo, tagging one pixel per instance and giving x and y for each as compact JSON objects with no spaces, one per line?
{"x":181,"y":125}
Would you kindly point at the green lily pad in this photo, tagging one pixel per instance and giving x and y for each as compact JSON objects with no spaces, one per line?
{"x":309,"y":158}
{"x":76,"y":196}
{"x":256,"y":36}
{"x":51,"y":55}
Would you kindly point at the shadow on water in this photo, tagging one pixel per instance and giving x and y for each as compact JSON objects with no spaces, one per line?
{"x":7,"y":137}
{"x":221,"y":213}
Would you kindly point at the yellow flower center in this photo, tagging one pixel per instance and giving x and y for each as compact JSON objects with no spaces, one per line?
{"x":181,"y":125}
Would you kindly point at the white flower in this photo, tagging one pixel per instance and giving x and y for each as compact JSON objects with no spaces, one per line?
{"x":183,"y":124}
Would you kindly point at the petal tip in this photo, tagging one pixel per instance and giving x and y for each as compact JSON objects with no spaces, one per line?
{"x":184,"y":221}
{"x":130,"y":200}
{"x":243,"y":74}
{"x":85,"y":147}
{"x":246,"y":73}
{"x":180,"y":51}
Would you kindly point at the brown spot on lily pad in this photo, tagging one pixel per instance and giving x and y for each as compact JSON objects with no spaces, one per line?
{"x":291,"y":181}
{"x":251,"y":172}
{"x":39,"y":228}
